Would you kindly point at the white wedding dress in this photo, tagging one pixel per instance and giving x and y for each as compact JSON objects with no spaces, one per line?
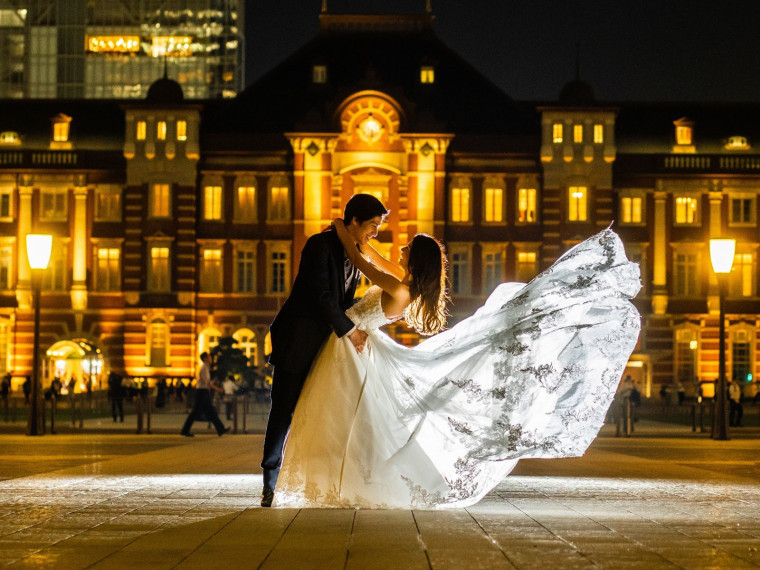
{"x":530,"y":374}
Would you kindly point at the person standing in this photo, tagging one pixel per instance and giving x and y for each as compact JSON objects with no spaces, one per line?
{"x":736,"y":410}
{"x":5,"y":391}
{"x":116,"y":395}
{"x":322,"y":292}
{"x":229,"y":388}
{"x":202,"y":406}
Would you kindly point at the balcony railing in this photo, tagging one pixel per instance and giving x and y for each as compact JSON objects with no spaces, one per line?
{"x":687,"y":163}
{"x":62,"y":159}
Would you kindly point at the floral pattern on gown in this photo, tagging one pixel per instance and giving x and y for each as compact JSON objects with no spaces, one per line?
{"x":531,"y":374}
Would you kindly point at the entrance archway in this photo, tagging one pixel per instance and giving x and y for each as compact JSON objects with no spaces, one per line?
{"x":78,"y":360}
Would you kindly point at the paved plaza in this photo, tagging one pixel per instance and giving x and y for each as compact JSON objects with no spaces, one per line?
{"x":664,"y":498}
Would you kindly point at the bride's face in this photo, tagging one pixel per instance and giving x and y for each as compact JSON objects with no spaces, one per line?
{"x":403,"y":259}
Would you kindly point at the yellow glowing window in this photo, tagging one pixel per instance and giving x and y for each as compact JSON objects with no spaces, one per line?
{"x":578,"y":133}
{"x":107,"y":276}
{"x":557,"y":132}
{"x":598,"y":134}
{"x":526,"y":257}
{"x":159,"y":269}
{"x":494,"y":206}
{"x":171,"y":45}
{"x":161,"y":130}
{"x":245,"y":207}
{"x":631,"y":207}
{"x":113,"y":44}
{"x":578,"y":210}
{"x":279,"y":203}
{"x":526,"y":265}
{"x":160,"y":202}
{"x":743,"y":275}
{"x":526,"y":205}
{"x":686,"y":210}
{"x":61,"y":131}
{"x":181,"y":130}
{"x":319,"y":74}
{"x":211,"y":271}
{"x":427,"y":74}
{"x":142,"y":130}
{"x":212,"y":203}
{"x":683,"y":134}
{"x":460,"y":204}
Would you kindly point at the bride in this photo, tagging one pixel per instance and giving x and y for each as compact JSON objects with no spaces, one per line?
{"x":530,"y":374}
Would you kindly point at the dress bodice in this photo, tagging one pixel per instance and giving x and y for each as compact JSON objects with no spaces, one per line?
{"x":367,"y":314}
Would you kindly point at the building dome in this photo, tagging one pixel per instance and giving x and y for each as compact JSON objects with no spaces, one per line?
{"x":165,"y":91}
{"x":577,"y":93}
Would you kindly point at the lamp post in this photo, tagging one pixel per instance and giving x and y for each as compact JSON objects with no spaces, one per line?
{"x":722,"y":258}
{"x":38,"y":247}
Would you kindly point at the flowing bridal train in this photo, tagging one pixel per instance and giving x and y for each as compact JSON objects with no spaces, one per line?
{"x":531,"y":374}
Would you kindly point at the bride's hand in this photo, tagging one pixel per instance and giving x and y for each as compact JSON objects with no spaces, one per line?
{"x":345,"y":238}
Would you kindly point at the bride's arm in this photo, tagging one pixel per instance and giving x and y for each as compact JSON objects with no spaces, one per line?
{"x":385,"y":264}
{"x":386,"y":281}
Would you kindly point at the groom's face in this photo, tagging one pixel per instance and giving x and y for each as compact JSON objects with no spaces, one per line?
{"x":362,"y":233}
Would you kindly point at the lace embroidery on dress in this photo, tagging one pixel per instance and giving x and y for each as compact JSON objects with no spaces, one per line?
{"x":367,"y":314}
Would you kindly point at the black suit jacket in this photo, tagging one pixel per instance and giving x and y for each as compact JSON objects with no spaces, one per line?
{"x":316,"y":305}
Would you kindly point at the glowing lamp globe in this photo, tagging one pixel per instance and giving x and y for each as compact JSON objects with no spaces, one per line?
{"x":38,"y":248}
{"x":722,"y":254}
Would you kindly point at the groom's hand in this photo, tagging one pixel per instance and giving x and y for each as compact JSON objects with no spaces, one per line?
{"x":358,"y":339}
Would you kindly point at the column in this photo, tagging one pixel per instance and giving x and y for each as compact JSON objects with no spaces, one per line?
{"x":659,"y":281}
{"x":716,"y":231}
{"x":23,"y":288}
{"x":79,"y":263}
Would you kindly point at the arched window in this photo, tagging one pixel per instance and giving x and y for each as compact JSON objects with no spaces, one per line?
{"x":208,"y":339}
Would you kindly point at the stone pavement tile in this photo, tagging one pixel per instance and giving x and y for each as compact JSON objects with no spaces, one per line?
{"x":317,"y":538}
{"x":454,"y":539}
{"x":164,"y":548}
{"x":385,"y":539}
{"x":71,"y":557}
{"x":245,"y":542}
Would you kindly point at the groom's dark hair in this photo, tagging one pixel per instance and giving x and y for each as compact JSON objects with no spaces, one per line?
{"x":363,"y":207}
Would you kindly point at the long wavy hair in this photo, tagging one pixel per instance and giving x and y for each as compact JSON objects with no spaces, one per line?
{"x":427,"y":265}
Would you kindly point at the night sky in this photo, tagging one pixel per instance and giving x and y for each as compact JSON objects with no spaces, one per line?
{"x":668,"y":50}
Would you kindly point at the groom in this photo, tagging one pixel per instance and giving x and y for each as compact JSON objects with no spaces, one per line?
{"x":322,"y":291}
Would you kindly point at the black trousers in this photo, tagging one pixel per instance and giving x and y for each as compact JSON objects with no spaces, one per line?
{"x":735,"y":413}
{"x":286,"y":388}
{"x":117,"y":407}
{"x":202,"y":407}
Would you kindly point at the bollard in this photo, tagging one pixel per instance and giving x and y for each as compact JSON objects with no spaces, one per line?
{"x":52,"y":413}
{"x":148,"y":407}
{"x":694,"y":417}
{"x":245,"y":413}
{"x":139,"y":410}
{"x":234,"y":413}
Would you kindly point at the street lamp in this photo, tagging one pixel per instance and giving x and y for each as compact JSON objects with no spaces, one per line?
{"x":38,"y":247}
{"x":722,"y":258}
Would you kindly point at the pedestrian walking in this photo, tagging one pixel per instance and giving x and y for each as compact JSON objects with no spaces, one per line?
{"x":116,"y":395}
{"x":202,"y":406}
{"x":5,"y":392}
{"x":736,"y":410}
{"x":27,"y":388}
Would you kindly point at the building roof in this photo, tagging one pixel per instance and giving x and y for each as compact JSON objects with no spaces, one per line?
{"x":375,"y":52}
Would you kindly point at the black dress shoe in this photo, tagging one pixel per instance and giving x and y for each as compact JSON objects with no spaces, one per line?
{"x":186,"y":434}
{"x":267,"y":496}
{"x":225,"y":430}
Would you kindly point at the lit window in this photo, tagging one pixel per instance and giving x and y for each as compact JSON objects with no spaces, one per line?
{"x":10,"y":138}
{"x":742,"y":209}
{"x":578,"y":210}
{"x":492,"y":266}
{"x":142,"y":130}
{"x":686,"y":356}
{"x":460,"y":271}
{"x":171,"y":45}
{"x":526,"y":266}
{"x":5,"y":203}
{"x":6,"y":266}
{"x":578,"y":133}
{"x":113,"y":44}
{"x":460,"y":204}
{"x":427,"y":74}
{"x":160,"y":201}
{"x":278,"y":271}
{"x":630,"y":209}
{"x":107,"y":270}
{"x":245,"y":265}
{"x":557,"y":132}
{"x":61,"y":132}
{"x":107,"y":205}
{"x":245,"y":204}
{"x":212,"y":203}
{"x":319,"y":74}
{"x":53,"y":204}
{"x":211,"y":270}
{"x":279,"y":204}
{"x":159,"y":342}
{"x":158,"y":276}
{"x":686,"y":210}
{"x":55,"y":274}
{"x":598,"y":134}
{"x":685,"y":274}
{"x":741,"y":355}
{"x":743,"y":275}
{"x":683,"y":135}
{"x":526,"y":205}
{"x":494,"y":205}
{"x":161,"y":130}
{"x":737,"y":143}
{"x":181,"y":130}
